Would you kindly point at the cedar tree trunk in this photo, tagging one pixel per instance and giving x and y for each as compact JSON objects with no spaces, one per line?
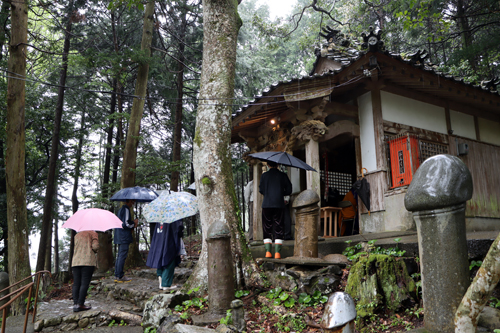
{"x":17,"y":220}
{"x":130,"y":154}
{"x":54,"y":152}
{"x":212,"y":160}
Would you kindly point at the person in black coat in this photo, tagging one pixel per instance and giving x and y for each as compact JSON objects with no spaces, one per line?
{"x":164,"y":253}
{"x":274,"y":185}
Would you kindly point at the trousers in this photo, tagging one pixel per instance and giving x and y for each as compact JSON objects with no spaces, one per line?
{"x":120,"y":260}
{"x":273,"y":224}
{"x":81,"y":281}
{"x":167,"y":274}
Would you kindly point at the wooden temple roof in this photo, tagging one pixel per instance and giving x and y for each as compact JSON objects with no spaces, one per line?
{"x":358,"y":72}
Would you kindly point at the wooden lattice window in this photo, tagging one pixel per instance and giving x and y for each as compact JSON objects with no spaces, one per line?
{"x":341,"y":181}
{"x":429,"y":149}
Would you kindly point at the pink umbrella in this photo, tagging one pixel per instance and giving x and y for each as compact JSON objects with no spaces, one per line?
{"x":93,"y":219}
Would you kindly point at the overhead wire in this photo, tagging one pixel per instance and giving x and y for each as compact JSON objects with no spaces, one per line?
{"x":175,"y":100}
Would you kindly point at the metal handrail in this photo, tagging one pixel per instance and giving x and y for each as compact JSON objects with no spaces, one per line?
{"x":19,"y":293}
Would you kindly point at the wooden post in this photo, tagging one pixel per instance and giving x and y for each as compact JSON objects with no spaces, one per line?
{"x":257,"y":203}
{"x":313,"y":179}
{"x":452,"y":144}
{"x":378,"y":124}
{"x":312,"y":158}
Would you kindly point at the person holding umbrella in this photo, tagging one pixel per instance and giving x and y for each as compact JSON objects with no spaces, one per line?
{"x":83,"y":265}
{"x":165,"y":250}
{"x":274,"y":185}
{"x":123,"y":238}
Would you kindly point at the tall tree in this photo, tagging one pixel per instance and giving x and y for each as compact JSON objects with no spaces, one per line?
{"x":54,"y":151}
{"x":176,"y":152}
{"x":19,"y":261}
{"x":130,"y":153}
{"x":212,"y":160}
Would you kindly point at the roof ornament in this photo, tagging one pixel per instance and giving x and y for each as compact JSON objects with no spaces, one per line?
{"x":372,"y":41}
{"x":491,"y":84}
{"x":419,"y":57}
{"x":334,"y":36}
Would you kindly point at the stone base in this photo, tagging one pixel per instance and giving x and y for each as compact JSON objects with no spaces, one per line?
{"x":305,"y":261}
{"x":207,"y":318}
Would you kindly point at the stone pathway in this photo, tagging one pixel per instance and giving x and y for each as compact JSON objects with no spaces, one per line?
{"x":113,"y":305}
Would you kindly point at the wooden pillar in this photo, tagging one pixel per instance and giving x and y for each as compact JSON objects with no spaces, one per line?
{"x":452,"y":144}
{"x":359,"y":162}
{"x":312,"y":158}
{"x":476,"y":127}
{"x":378,"y":123}
{"x":313,"y":179}
{"x":257,"y":203}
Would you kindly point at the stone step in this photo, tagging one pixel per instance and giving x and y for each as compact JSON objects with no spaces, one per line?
{"x":15,"y":324}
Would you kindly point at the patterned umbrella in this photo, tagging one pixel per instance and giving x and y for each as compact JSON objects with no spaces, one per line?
{"x":93,"y":219}
{"x":170,"y":207}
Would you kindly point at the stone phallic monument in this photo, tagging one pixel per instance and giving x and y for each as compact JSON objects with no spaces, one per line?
{"x":220,"y":268}
{"x":306,"y":226}
{"x":437,"y":197}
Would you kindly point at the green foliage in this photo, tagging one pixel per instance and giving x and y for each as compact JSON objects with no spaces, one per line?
{"x":312,"y":300}
{"x":150,"y":330}
{"x":241,"y":293}
{"x":494,"y":302}
{"x":475,"y":263}
{"x":351,"y":252}
{"x":195,"y":302}
{"x":228,"y":320}
{"x":291,"y":322}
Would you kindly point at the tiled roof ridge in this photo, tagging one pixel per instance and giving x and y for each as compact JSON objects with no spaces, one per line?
{"x":341,"y":46}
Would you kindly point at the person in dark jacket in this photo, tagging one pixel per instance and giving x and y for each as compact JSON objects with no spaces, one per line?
{"x":164,"y":253}
{"x":274,"y":185}
{"x":123,"y":238}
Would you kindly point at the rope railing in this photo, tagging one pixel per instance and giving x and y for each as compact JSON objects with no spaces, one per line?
{"x":18,"y":293}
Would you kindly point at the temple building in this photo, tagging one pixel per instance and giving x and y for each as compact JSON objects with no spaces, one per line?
{"x":376,"y":115}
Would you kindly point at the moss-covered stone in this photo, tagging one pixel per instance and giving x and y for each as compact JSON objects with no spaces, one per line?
{"x":379,"y":279}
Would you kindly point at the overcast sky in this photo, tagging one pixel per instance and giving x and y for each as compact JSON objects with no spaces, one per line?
{"x":278,"y":7}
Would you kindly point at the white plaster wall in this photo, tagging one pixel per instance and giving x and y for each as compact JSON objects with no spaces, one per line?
{"x":462,"y":125}
{"x":414,"y":113}
{"x":367,"y":132}
{"x":489,"y":131}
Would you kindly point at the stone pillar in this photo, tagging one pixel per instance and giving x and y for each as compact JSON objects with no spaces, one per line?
{"x":437,"y":197}
{"x":257,"y":203}
{"x":306,"y":231}
{"x":220,"y":268}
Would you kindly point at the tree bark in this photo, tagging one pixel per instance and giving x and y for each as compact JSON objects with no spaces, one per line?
{"x":4,"y":17}
{"x":479,"y":291}
{"x":105,"y":254}
{"x":17,"y":220}
{"x":212,"y":160}
{"x":130,"y":154}
{"x":56,"y":248}
{"x":465,"y":32}
{"x":54,"y":151}
{"x":176,"y":151}
{"x":74,"y":196}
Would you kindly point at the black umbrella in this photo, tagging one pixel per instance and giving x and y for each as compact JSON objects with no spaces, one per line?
{"x":282,"y":158}
{"x":137,"y":193}
{"x":362,"y":188}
